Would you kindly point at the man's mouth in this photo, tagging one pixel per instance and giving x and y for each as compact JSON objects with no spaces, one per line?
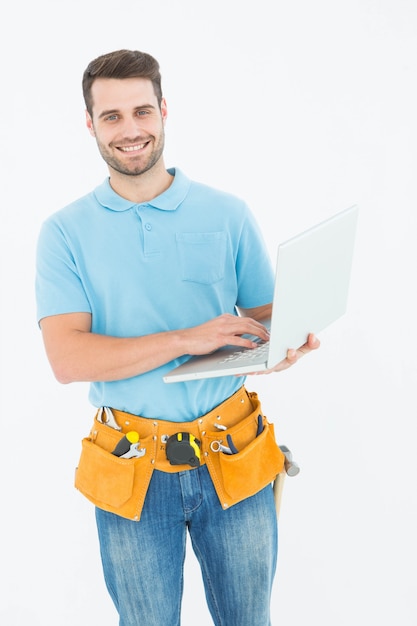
{"x":135,"y":148}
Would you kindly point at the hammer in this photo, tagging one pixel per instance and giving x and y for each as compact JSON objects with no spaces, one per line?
{"x":292,"y":469}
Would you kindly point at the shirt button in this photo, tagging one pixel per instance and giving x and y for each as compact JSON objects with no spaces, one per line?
{"x":148,"y":226}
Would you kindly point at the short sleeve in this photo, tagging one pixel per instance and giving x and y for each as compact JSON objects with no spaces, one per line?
{"x":58,"y":286}
{"x":255,"y":274}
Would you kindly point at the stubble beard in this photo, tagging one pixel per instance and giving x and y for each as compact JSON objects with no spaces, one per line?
{"x":133,"y":169}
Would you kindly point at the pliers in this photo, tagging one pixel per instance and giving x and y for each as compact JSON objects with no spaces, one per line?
{"x":231,"y":448}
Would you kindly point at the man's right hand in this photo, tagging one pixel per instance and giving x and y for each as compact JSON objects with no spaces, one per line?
{"x":222,"y":331}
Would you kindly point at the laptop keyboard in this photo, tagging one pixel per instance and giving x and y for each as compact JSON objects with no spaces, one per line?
{"x":248,"y":354}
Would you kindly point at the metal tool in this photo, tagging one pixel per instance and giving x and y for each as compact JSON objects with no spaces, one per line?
{"x":217,"y":446}
{"x":291,"y":468}
{"x":105,"y":416}
{"x":134,"y":452}
{"x":128,"y":446}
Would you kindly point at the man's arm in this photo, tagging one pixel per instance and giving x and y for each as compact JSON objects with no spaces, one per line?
{"x":259,"y":313}
{"x":77,"y":354}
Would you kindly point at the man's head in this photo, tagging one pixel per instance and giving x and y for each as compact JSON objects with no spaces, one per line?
{"x":121,"y":64}
{"x":126,"y":111}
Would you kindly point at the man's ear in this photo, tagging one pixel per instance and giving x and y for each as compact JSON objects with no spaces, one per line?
{"x":89,"y":123}
{"x":164,"y":110}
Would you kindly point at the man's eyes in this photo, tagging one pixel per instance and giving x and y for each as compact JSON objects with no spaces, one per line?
{"x":114,"y":116}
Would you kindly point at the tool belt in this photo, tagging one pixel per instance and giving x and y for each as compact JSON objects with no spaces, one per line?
{"x":235,"y":440}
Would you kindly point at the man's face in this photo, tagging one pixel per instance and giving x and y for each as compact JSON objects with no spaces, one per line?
{"x":127,"y":123}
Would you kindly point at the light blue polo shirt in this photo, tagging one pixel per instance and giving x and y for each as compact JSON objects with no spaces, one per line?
{"x":179,"y":260}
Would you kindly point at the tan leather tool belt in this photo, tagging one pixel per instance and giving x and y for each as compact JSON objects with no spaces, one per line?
{"x":235,"y":440}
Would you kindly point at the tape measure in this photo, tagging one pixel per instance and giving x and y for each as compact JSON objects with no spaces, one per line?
{"x":183,"y":449}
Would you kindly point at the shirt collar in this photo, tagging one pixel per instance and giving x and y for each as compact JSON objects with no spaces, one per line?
{"x":169,"y":200}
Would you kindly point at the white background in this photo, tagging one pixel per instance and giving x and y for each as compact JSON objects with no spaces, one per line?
{"x":302,"y":108}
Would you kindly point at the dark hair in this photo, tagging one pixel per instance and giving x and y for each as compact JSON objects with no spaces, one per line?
{"x":121,"y":64}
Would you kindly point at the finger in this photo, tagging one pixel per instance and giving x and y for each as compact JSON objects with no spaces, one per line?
{"x":312,"y":343}
{"x":292,"y":357}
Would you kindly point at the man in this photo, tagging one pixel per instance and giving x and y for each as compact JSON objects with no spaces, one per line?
{"x":133,"y":278}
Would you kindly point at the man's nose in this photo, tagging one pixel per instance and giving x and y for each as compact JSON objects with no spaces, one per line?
{"x":132,"y":128}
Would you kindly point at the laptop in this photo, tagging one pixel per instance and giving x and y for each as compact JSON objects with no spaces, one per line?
{"x":311,"y":291}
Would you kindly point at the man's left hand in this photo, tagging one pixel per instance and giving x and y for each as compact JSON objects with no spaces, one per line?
{"x":293,"y":356}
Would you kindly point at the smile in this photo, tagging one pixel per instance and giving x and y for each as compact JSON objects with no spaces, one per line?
{"x":139,"y":146}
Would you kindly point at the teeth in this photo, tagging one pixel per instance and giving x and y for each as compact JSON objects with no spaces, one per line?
{"x":133,"y":148}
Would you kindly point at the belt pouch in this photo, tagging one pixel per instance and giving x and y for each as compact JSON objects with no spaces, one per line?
{"x":256,"y":463}
{"x":115,"y":484}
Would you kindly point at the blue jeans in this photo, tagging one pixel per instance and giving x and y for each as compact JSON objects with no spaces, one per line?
{"x":236,"y":548}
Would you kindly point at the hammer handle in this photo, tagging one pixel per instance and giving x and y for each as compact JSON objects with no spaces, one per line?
{"x":278,"y":489}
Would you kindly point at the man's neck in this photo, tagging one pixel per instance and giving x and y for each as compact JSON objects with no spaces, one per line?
{"x":141,"y":188}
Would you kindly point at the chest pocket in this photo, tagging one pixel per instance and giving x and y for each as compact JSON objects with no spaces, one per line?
{"x":202,"y":256}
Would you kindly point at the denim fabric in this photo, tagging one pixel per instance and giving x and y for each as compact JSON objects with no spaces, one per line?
{"x":236,"y":548}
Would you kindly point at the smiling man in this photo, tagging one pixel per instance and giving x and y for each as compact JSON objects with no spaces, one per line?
{"x":127,"y":108}
{"x":132,"y":279}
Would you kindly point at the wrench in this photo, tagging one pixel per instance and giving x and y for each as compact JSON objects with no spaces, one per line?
{"x":133,"y":452}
